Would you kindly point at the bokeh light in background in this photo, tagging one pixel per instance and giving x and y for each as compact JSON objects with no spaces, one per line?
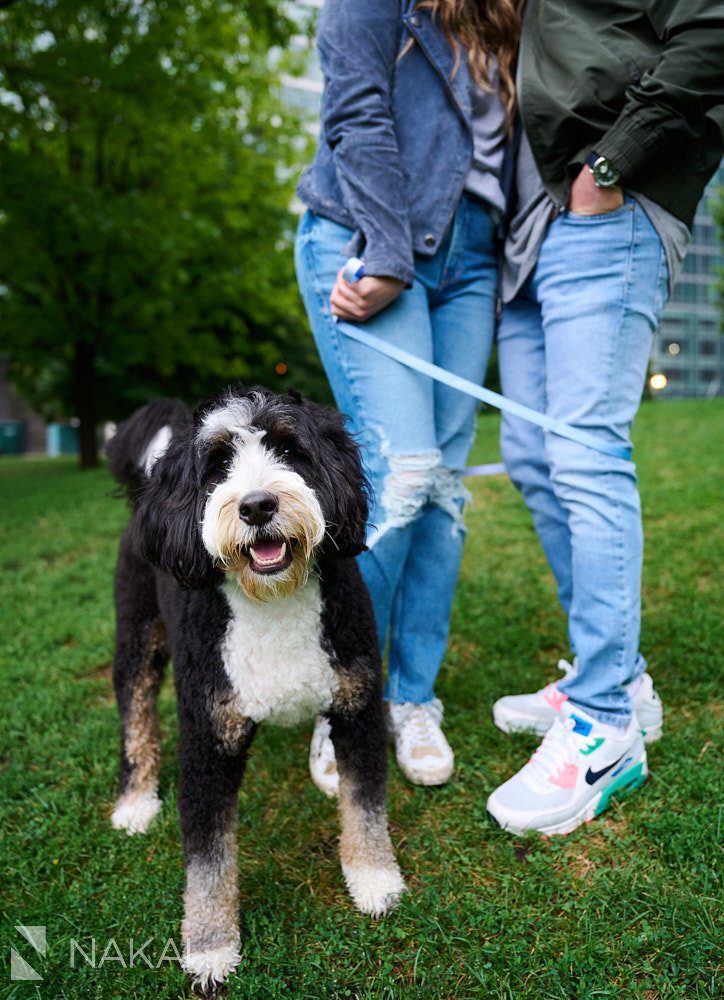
{"x":658,"y":381}
{"x":280,"y":368}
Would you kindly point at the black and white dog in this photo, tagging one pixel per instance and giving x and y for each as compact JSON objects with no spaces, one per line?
{"x":238,"y":563}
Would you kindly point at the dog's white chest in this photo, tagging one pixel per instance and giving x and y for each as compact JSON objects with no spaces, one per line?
{"x":273,"y":655}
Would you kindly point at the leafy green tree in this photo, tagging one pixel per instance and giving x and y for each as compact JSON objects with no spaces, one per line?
{"x":145,"y":233}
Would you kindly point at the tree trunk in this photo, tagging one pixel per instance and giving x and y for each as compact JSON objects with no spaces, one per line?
{"x":85,"y":402}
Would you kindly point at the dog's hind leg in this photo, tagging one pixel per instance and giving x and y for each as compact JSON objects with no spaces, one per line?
{"x":368,"y":861}
{"x":140,"y":659}
{"x":213,"y":753}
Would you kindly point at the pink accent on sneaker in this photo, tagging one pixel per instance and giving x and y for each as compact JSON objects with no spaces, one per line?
{"x":566,"y":777}
{"x":554,"y":697}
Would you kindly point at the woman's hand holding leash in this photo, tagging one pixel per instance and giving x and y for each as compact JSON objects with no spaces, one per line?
{"x":365,"y":297}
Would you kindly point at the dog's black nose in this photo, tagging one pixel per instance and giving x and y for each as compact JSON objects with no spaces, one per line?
{"x":258,"y":508}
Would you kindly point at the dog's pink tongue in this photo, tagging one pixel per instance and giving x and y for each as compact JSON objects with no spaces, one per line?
{"x":268,"y":550}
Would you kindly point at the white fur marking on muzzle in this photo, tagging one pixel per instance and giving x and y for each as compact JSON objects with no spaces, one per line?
{"x":298,"y":521}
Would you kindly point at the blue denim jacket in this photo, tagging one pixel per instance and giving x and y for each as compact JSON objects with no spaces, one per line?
{"x":396,"y":142}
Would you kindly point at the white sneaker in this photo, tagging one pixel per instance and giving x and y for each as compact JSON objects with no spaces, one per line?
{"x":322,"y":762}
{"x":424,"y":755}
{"x":572,"y":775}
{"x":536,"y":712}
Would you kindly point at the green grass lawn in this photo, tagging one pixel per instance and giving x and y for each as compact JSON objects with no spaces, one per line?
{"x":625,"y":907}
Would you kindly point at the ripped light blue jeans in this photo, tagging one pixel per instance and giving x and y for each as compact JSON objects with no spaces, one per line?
{"x":575,"y":344}
{"x":415,"y":434}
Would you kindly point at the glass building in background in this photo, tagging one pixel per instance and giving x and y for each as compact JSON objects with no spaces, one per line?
{"x":687,"y":358}
{"x":688,"y":355}
{"x":304,"y":92}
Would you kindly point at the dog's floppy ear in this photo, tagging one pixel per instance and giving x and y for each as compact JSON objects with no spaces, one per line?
{"x":349,"y":490}
{"x":169,"y":509}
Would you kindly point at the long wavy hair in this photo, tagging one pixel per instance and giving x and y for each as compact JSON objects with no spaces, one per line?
{"x":486,"y":29}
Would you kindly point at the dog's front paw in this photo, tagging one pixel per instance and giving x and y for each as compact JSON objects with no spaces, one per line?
{"x":135,"y":811}
{"x":374,"y":890}
{"x":210,"y":969}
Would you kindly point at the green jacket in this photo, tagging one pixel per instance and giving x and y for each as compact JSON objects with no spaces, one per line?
{"x":638,"y":81}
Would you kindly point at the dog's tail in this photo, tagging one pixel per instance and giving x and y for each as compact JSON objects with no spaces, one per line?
{"x":141,"y":440}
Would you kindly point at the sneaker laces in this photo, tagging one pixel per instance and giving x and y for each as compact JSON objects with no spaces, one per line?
{"x":417,"y":724}
{"x":558,"y":748}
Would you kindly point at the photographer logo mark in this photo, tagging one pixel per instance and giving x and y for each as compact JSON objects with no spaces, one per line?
{"x":19,"y":968}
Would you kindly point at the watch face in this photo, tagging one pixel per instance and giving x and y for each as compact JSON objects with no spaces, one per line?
{"x":604,"y":173}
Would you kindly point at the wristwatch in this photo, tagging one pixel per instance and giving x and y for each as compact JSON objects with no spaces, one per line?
{"x":604,"y":173}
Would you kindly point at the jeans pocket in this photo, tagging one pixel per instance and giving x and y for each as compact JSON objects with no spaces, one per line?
{"x":328,"y":231}
{"x":588,"y":220}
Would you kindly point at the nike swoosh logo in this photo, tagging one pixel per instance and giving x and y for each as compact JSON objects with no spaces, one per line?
{"x":593,"y":776}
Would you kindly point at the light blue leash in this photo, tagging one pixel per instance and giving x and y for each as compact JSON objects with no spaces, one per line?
{"x":354,"y":270}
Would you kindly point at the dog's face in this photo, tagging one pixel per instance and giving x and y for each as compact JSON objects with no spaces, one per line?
{"x":263,"y":519}
{"x":257,"y":487}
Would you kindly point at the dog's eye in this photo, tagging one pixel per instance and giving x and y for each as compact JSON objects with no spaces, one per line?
{"x":221,"y":455}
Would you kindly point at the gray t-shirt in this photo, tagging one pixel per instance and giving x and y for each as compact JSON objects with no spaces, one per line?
{"x":489,"y":137}
{"x":536,"y":210}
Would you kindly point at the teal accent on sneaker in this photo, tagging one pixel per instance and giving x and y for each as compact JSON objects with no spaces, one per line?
{"x":593,"y":746}
{"x":627,"y":782}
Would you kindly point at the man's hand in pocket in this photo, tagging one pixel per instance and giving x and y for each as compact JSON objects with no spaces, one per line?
{"x":588,"y":199}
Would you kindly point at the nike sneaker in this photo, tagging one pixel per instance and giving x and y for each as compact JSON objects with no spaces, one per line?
{"x":535,"y":712}
{"x":580,"y":765}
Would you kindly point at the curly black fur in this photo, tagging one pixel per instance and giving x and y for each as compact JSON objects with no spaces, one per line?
{"x":171,"y":600}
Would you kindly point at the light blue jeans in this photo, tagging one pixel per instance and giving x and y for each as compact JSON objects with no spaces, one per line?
{"x":575,"y":344}
{"x":415,"y":434}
